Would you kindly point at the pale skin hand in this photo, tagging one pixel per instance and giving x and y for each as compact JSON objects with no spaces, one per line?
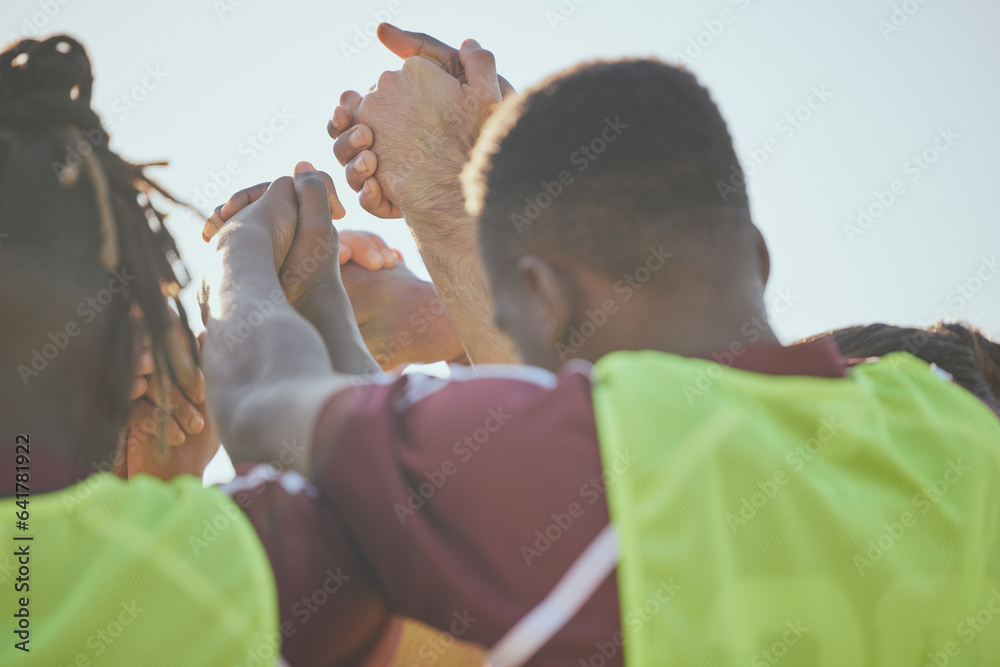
{"x":401,"y":317}
{"x":426,"y":122}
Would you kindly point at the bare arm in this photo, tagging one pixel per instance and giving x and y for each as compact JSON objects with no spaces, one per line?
{"x":427,"y":181}
{"x":267,"y":370}
{"x":310,"y":266}
{"x":453,"y":261}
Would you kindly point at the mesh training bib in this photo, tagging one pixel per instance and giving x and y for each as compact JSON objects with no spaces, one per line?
{"x":138,"y":573}
{"x":766,"y":520}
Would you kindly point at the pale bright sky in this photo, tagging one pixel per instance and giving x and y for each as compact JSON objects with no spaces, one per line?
{"x":900,"y":90}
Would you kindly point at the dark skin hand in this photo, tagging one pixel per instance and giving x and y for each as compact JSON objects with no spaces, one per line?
{"x":399,"y":315}
{"x":181,"y":414}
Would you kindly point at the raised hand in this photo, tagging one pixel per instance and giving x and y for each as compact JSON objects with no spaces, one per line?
{"x":354,"y":140}
{"x":299,"y":270}
{"x":425,"y":122}
{"x":406,"y":44}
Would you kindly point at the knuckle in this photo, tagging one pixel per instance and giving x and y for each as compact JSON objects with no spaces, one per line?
{"x":346,"y":97}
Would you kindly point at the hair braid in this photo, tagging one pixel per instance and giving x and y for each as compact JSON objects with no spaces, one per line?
{"x":45,"y":96}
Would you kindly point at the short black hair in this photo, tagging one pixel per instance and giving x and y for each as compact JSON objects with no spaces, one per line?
{"x":603,"y":160}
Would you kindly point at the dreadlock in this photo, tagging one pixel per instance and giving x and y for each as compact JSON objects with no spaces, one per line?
{"x":972,"y":359}
{"x":72,"y":213}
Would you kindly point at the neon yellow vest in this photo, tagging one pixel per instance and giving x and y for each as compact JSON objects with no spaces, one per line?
{"x":797,"y":520}
{"x":137,"y":573}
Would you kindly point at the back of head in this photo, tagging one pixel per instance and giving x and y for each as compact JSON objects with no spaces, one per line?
{"x":604,"y":160}
{"x":81,"y":247}
{"x":972,"y":359}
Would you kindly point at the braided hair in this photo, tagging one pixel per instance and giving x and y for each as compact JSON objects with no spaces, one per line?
{"x":73,"y":217}
{"x":971,"y":358}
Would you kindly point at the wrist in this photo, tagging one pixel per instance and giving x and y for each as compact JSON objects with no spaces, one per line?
{"x":252,"y":238}
{"x":321,"y":300}
{"x":326,"y":307}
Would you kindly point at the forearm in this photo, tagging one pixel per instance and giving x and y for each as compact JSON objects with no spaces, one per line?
{"x":325,"y":309}
{"x":449,"y":247}
{"x":267,"y":370}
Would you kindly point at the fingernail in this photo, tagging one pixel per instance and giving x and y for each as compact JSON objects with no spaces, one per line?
{"x":367,"y":188}
{"x":197,"y":423}
{"x":357,"y":139}
{"x":359,"y":165}
{"x":470,"y":42}
{"x":303,"y":167}
{"x":389,"y":257}
{"x":375,"y":258}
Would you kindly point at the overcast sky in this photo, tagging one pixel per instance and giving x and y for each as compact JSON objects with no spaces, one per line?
{"x":868,"y":128}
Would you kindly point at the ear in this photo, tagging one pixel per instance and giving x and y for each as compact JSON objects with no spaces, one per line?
{"x":763,"y":255}
{"x":546,"y":295}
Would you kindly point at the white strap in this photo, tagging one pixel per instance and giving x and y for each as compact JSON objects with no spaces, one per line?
{"x":577,"y":586}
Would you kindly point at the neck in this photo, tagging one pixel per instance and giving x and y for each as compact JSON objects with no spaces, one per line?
{"x":695,"y":323}
{"x":60,"y":451}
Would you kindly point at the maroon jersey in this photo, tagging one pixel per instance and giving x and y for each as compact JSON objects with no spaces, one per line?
{"x":459,"y":503}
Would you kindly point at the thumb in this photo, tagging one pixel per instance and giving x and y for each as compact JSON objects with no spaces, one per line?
{"x":480,"y":68}
{"x":406,"y":44}
{"x":314,"y":204}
